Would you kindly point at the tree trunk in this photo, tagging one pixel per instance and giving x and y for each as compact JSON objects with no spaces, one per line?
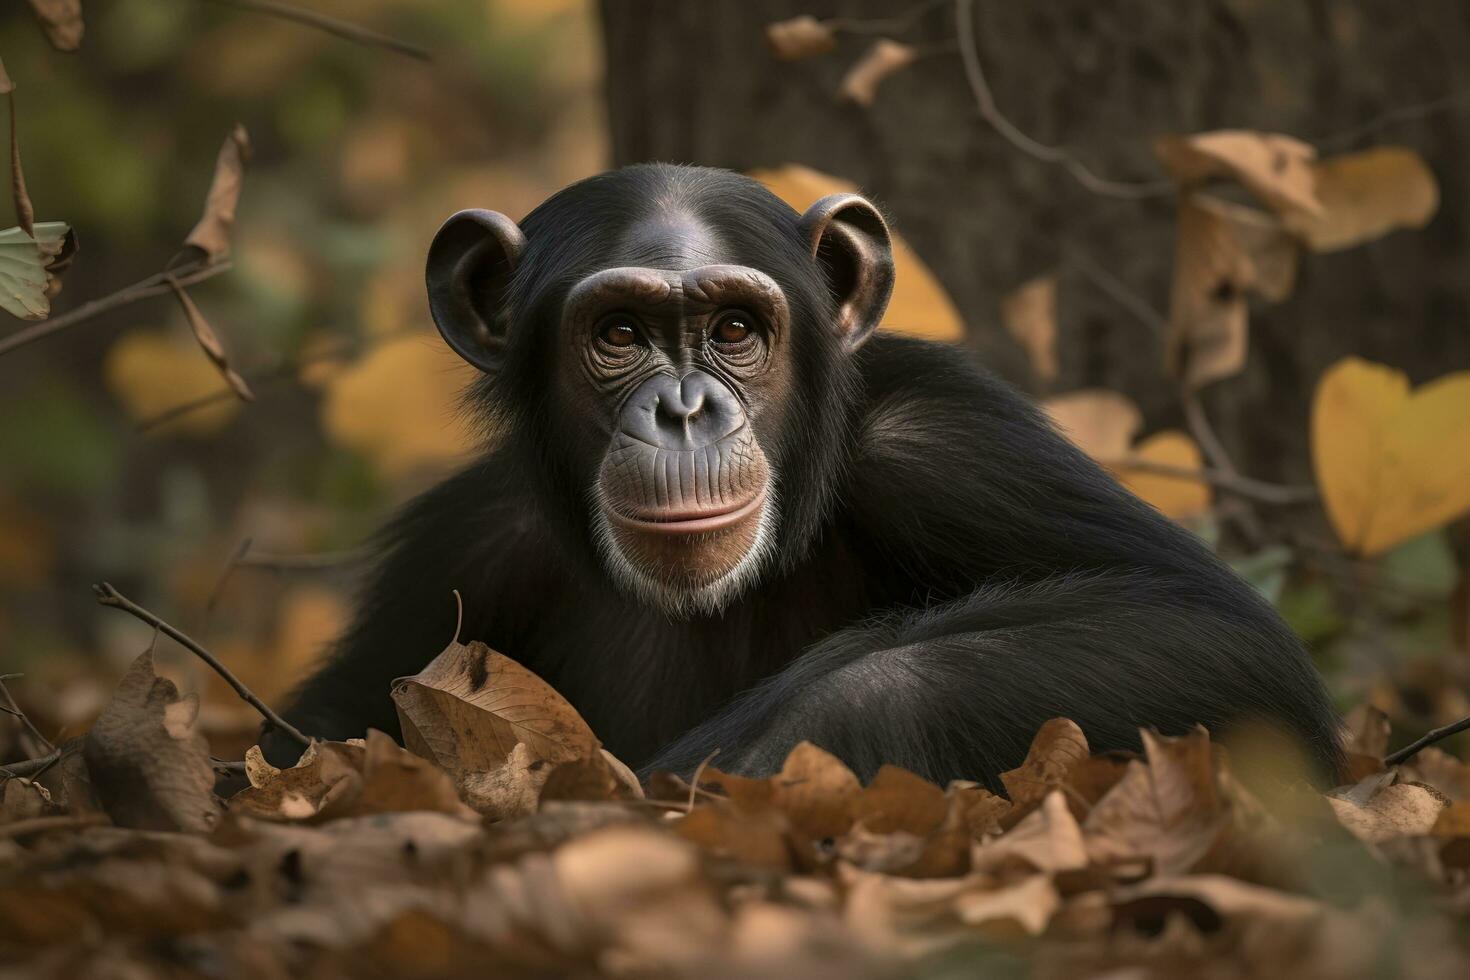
{"x":695,"y":82}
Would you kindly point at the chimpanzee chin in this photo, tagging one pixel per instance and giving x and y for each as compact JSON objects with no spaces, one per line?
{"x":718,"y":510}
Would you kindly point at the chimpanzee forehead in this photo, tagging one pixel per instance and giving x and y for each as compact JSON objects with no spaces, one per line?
{"x":673,"y":239}
{"x":676,"y":295}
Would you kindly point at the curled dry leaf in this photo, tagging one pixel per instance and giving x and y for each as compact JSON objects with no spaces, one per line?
{"x":1365,"y":196}
{"x":1028,"y":905}
{"x":62,"y":22}
{"x":860,"y":84}
{"x":1208,"y":311}
{"x":1029,"y":313}
{"x":816,"y":791}
{"x":1047,"y":839}
{"x":1400,"y":810}
{"x":1056,"y":750}
{"x":1273,"y":251}
{"x":1390,"y":463}
{"x":148,"y":763}
{"x":597,"y":777}
{"x":212,"y":234}
{"x":283,"y":794}
{"x":1274,"y":167}
{"x":380,"y":777}
{"x":1101,"y":423}
{"x":31,"y":268}
{"x":800,"y":37}
{"x":209,"y":342}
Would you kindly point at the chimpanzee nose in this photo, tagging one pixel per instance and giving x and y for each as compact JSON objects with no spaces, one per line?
{"x":682,"y":413}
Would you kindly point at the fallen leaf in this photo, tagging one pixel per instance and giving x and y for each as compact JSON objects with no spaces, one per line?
{"x":919,"y":305}
{"x":1029,"y":904}
{"x":1177,"y":497}
{"x":1389,"y":462}
{"x":381,"y":777}
{"x":860,"y":84}
{"x":61,"y":20}
{"x":22,"y":799}
{"x":30,"y":267}
{"x":749,"y":837}
{"x":1227,"y":898}
{"x":1057,"y":748}
{"x":1274,"y":167}
{"x":1029,"y":313}
{"x":1400,"y":810}
{"x":1365,"y":196}
{"x":1101,"y":423}
{"x":1047,"y":839}
{"x":816,"y":792}
{"x":800,"y":37}
{"x":212,"y":234}
{"x":148,"y":764}
{"x":595,"y":777}
{"x":897,"y":800}
{"x":209,"y":342}
{"x":1208,"y":310}
{"x":295,"y":793}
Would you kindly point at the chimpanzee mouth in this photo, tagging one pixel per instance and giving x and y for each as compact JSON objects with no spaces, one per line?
{"x":685,"y":521}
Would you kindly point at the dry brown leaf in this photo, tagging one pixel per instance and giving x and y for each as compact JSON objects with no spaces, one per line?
{"x":62,"y":22}
{"x":25,"y":212}
{"x":1177,"y":497}
{"x":1400,"y":810}
{"x":1365,"y":196}
{"x":1365,"y":741}
{"x":751,"y":837}
{"x":597,"y":777}
{"x":1208,"y":311}
{"x":1101,"y":423}
{"x":1028,"y":905}
{"x":1029,"y":313}
{"x":1390,"y":462}
{"x":816,"y":792}
{"x":800,"y":37}
{"x":148,"y":764}
{"x":1229,"y":898}
{"x":23,"y":799}
{"x":212,"y":234}
{"x":470,"y":706}
{"x":897,"y":800}
{"x":295,"y":793}
{"x":1274,"y":253}
{"x":1056,"y":750}
{"x":1047,"y":839}
{"x":6,"y":84}
{"x":380,"y":777}
{"x":1439,"y":769}
{"x":209,"y":342}
{"x":860,"y":84}
{"x":1274,"y":167}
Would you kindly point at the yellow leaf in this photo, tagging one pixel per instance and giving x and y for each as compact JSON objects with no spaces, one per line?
{"x":1178,"y":497}
{"x":398,"y":406}
{"x":1391,"y":464}
{"x":150,"y":373}
{"x":1367,"y":195}
{"x":920,"y":306}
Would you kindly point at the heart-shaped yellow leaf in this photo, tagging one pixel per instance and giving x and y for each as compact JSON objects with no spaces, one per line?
{"x":1155,"y":471}
{"x":1391,"y":464}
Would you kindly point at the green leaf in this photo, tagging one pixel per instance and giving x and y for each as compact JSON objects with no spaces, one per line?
{"x":24,"y":280}
{"x":1424,"y":566}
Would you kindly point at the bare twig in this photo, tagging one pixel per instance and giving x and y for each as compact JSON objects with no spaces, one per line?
{"x":990,"y":112}
{"x":65,"y":821}
{"x":31,"y":767}
{"x":694,"y":782}
{"x":1439,"y":734}
{"x":1347,"y":137}
{"x":1244,"y":486}
{"x":897,"y":24}
{"x":109,"y":596}
{"x":224,"y":579}
{"x":331,"y":25}
{"x":14,"y":709}
{"x":154,"y":285}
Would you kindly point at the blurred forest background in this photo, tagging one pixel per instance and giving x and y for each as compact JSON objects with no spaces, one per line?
{"x":124,"y":457}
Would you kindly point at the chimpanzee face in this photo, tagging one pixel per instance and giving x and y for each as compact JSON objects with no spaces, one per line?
{"x":674,"y":375}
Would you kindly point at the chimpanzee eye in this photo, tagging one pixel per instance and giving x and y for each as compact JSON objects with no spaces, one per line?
{"x":618,"y":332}
{"x":732,"y":328}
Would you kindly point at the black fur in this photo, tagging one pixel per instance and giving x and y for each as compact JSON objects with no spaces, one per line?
{"x":952,"y":572}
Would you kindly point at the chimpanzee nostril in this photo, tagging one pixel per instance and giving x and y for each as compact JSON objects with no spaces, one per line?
{"x":682,"y":413}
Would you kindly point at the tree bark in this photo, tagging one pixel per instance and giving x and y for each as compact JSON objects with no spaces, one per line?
{"x":695,"y":82}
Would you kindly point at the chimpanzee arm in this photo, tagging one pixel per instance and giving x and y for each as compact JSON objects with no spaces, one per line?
{"x":960,"y":689}
{"x":472,"y":533}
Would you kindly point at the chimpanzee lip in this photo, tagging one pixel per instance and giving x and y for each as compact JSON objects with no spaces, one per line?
{"x":690,"y":521}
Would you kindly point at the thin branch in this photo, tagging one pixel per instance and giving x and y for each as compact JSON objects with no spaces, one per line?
{"x":897,"y":24}
{"x":14,"y":709}
{"x":276,"y":562}
{"x":154,"y":285}
{"x":990,"y":112}
{"x":331,"y":25}
{"x":109,"y":596}
{"x":65,"y":821}
{"x":1437,"y":735}
{"x":1409,"y":113}
{"x":1204,"y":433}
{"x":1116,"y":289}
{"x":1259,"y":490}
{"x":694,"y":781}
{"x":31,"y":767}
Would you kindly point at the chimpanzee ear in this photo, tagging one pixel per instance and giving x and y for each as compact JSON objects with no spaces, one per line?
{"x":849,"y":238}
{"x":470,"y":264}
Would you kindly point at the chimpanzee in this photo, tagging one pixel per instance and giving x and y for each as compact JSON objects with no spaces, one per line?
{"x":720,"y":512}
